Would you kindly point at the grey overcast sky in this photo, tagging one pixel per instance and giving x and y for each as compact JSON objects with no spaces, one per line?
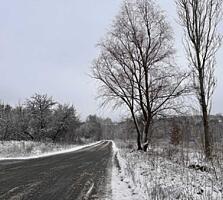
{"x":47,"y":46}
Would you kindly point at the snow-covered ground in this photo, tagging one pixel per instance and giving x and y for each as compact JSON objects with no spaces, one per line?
{"x":120,"y":187}
{"x":27,"y":149}
{"x":161,"y":173}
{"x":164,"y":173}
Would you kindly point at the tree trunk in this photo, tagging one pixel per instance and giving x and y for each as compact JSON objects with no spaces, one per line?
{"x":207,"y":139}
{"x":146,"y":136}
{"x":139,"y":146}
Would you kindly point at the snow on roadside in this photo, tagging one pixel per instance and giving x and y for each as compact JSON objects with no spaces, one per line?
{"x":120,"y":189}
{"x":121,"y":184}
{"x":36,"y":152}
{"x":153,"y":176}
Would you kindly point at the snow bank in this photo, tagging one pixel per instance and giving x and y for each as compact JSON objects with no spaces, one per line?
{"x":23,"y":150}
{"x":121,"y":184}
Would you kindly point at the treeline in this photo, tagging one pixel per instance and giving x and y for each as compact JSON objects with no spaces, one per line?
{"x":187,"y":129}
{"x":40,"y":118}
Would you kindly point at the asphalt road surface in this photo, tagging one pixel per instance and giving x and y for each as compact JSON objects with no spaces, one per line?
{"x":78,"y":175}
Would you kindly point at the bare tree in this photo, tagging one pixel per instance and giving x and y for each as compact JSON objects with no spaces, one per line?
{"x":64,"y":123}
{"x":40,"y":109}
{"x":135,"y":66}
{"x":200,"y":20}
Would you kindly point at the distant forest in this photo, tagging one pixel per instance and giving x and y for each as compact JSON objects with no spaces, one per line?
{"x":40,"y":118}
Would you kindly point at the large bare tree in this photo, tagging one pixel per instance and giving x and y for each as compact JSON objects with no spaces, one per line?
{"x":135,"y":66}
{"x":200,"y":19}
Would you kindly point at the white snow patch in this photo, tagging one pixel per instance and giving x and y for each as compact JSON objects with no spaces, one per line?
{"x":120,"y":189}
{"x":114,"y":147}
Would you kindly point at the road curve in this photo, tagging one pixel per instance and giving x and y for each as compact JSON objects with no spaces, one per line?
{"x":78,"y":175}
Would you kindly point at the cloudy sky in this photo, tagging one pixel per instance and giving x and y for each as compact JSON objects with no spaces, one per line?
{"x":47,"y":46}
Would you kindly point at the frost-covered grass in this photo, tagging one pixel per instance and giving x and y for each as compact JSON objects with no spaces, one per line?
{"x":15,"y":149}
{"x":164,"y":173}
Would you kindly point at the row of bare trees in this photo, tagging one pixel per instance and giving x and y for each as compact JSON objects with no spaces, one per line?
{"x":136,"y":67}
{"x":40,"y":118}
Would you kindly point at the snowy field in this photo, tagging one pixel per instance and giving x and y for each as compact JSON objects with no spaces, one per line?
{"x":28,"y":149}
{"x":166,"y":173}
